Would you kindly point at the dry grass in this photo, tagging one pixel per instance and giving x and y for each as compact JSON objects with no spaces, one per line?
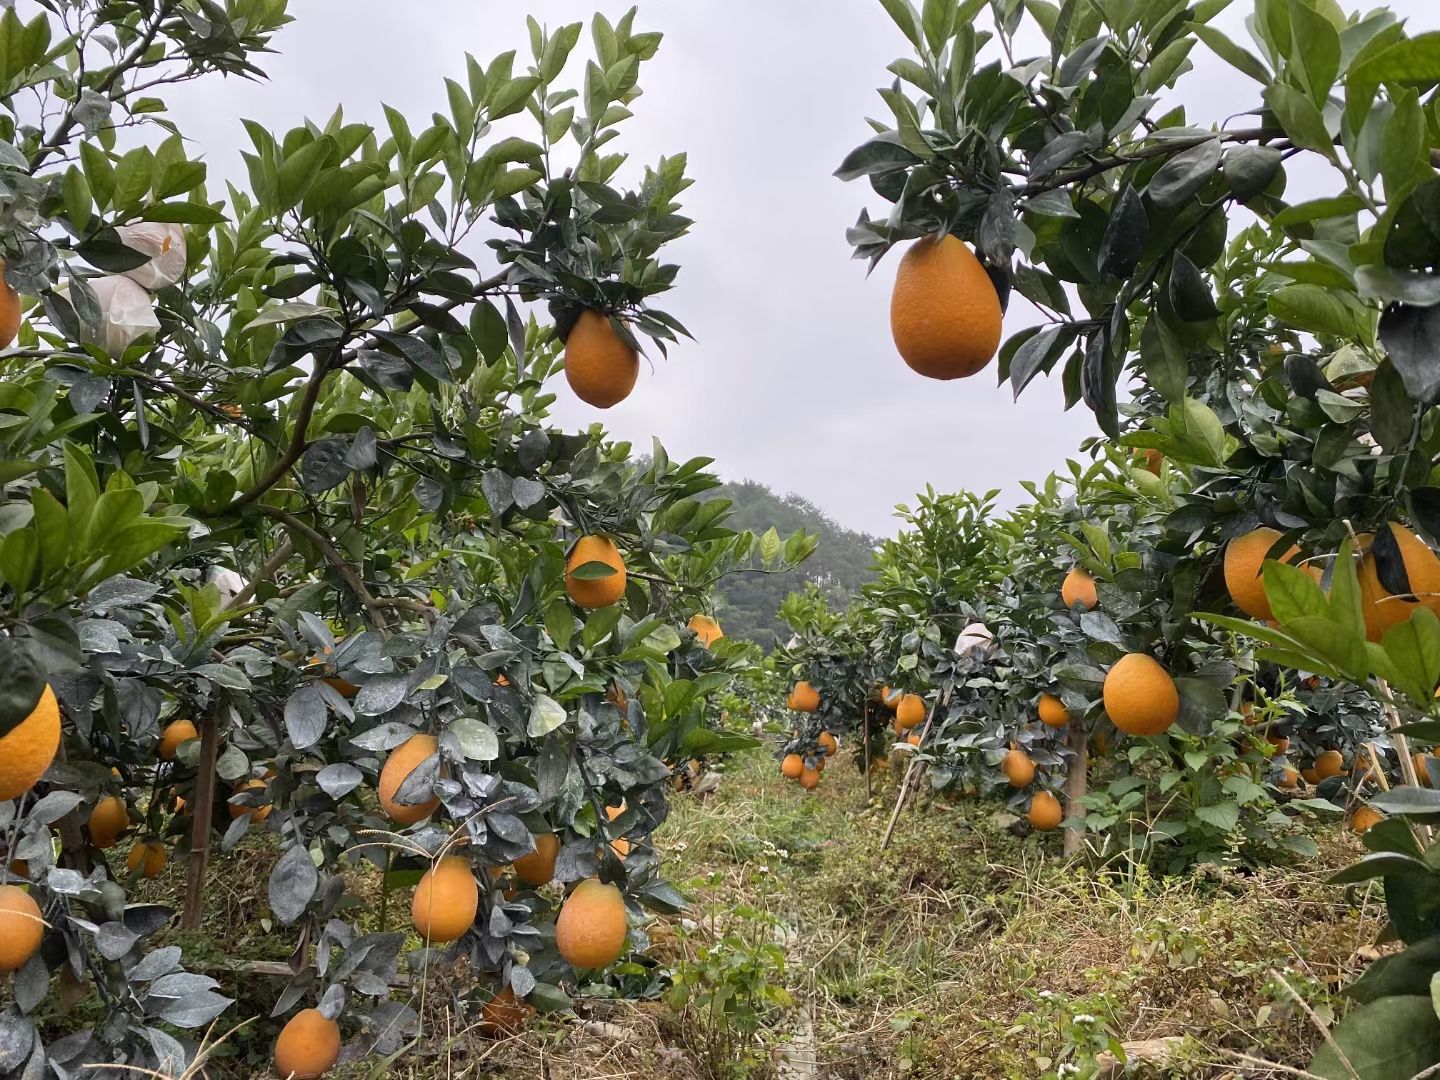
{"x":963,"y":951}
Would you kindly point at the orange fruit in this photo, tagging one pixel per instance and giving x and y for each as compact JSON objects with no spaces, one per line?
{"x":1150,"y":459}
{"x":21,"y":927}
{"x":1140,"y":696}
{"x":809,"y":778}
{"x":1422,"y":770}
{"x":308,"y":1046}
{"x":400,"y":764}
{"x":1079,"y":588}
{"x":256,"y":814}
{"x":9,"y":311}
{"x":913,"y":739}
{"x":146,"y":858}
{"x":1044,"y":813}
{"x":342,"y":686}
{"x":706,"y":629}
{"x":445,"y":900}
{"x":108,"y":821}
{"x":803,"y":698}
{"x":538,"y":867}
{"x":1281,"y":743}
{"x":27,"y":749}
{"x":504,"y":1014}
{"x":1052,"y":711}
{"x":1244,"y":560}
{"x":599,"y":366}
{"x":1381,"y":611}
{"x":910,"y":712}
{"x":1365,"y":818}
{"x":1330,"y":763}
{"x":1289,"y":778}
{"x":619,"y":845}
{"x":792,"y":766}
{"x":591,"y":929}
{"x":181,"y":731}
{"x":890,"y":698}
{"x":1018,"y":768}
{"x":827,"y":743}
{"x":1310,"y":776}
{"x":595,"y":592}
{"x":944,"y":312}
{"x":616,"y":696}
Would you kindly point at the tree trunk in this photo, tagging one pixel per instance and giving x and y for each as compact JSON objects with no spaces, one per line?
{"x":1076,"y":786}
{"x":200,"y":836}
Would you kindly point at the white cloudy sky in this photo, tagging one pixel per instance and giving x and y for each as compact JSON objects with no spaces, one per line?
{"x":793,"y":379}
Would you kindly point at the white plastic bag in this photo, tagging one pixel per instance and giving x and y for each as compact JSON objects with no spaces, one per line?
{"x":164,"y":242}
{"x":126,"y":312}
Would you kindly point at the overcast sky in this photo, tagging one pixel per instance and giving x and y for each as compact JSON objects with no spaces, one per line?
{"x":793,"y":379}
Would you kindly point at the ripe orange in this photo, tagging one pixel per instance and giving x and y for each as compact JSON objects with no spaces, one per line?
{"x":1079,"y":588}
{"x":1310,"y":776}
{"x":595,"y":592}
{"x":792,"y":766}
{"x":599,"y":366}
{"x":590,"y":931}
{"x":1330,"y":763}
{"x":400,"y":764}
{"x":180,"y":731}
{"x":538,"y":867}
{"x":809,"y":778}
{"x":108,"y":821}
{"x":21,"y":927}
{"x":1150,"y":459}
{"x":803,"y":698}
{"x":1421,"y":567}
{"x":504,"y":1014}
{"x":308,"y":1046}
{"x":9,"y":311}
{"x":910,"y":712}
{"x":890,"y":698}
{"x":342,"y":686}
{"x":1044,"y":813}
{"x":944,"y":312}
{"x":706,"y":629}
{"x":256,"y":814}
{"x":913,"y":739}
{"x":1281,"y":743}
{"x":146,"y":858}
{"x":1422,"y":770}
{"x":827,"y":743}
{"x":1052,"y":711}
{"x":619,"y":845}
{"x":1018,"y":768}
{"x":1140,"y":696}
{"x":27,"y":749}
{"x":445,"y":900}
{"x":1365,"y":818}
{"x":1244,"y":560}
{"x":1289,"y":778}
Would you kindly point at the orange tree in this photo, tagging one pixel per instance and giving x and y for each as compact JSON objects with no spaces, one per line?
{"x":282,"y":523}
{"x":1276,"y":350}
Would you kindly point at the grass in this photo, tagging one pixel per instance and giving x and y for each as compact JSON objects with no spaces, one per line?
{"x":962,"y":951}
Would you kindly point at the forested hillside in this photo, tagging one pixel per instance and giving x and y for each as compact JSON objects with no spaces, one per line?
{"x":840,"y":565}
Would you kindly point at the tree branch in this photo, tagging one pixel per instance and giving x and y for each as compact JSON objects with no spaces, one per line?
{"x":1168,"y":146}
{"x":348,"y":573}
{"x":268,"y":569}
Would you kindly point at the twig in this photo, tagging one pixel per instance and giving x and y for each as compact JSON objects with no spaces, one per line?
{"x":1324,"y":1031}
{"x":916,"y":768}
{"x":267,"y":570}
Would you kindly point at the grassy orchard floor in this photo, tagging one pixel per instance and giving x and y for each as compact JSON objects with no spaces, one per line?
{"x":963,"y":951}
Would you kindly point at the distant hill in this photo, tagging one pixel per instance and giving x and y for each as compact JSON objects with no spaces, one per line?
{"x":841,"y":564}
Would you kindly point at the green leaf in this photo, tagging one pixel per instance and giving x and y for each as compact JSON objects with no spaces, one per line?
{"x":1301,"y":119}
{"x":132,"y":178}
{"x":22,"y":681}
{"x":1413,"y":648}
{"x":1314,"y":49}
{"x":546,"y":714}
{"x":1237,"y":57}
{"x":1324,"y":311}
{"x":593,"y":571}
{"x":1394,"y":1038}
{"x":1404,"y":152}
{"x":906,"y":18}
{"x":299,"y":171}
{"x":1223,"y":816}
{"x":1293,"y":594}
{"x":1413,"y":62}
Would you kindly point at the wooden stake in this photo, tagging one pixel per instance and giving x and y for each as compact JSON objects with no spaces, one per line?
{"x":74,"y":855}
{"x":1402,"y":748}
{"x":916,"y":769}
{"x":200,"y":835}
{"x":1076,"y":784}
{"x":865,"y":734}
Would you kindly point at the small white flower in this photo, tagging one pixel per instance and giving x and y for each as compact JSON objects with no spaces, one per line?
{"x":164,"y":242}
{"x":1068,"y":1069}
{"x":1084,"y":1020}
{"x":1047,"y":994}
